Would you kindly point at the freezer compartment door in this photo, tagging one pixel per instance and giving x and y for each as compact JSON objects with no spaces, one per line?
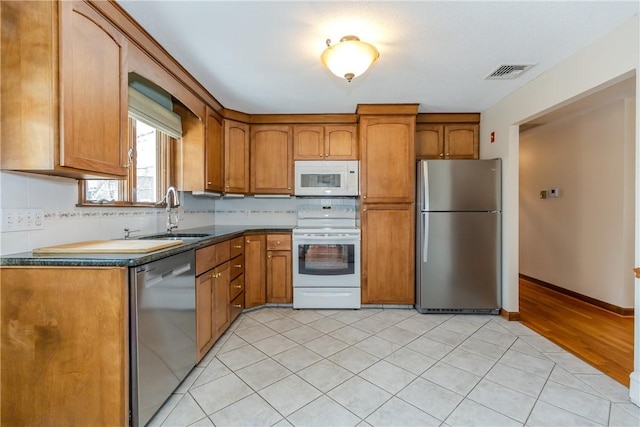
{"x":458,"y":262}
{"x":459,"y":185}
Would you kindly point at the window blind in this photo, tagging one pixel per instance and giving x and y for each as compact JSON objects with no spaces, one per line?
{"x":148,"y":111}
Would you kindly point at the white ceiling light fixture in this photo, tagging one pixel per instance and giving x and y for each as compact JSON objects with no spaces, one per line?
{"x":349,"y":58}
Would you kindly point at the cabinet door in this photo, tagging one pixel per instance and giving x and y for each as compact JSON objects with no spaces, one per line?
{"x":204,"y":313}
{"x":236,"y":157}
{"x":387,"y":166}
{"x":308,"y":143}
{"x":254,"y":270}
{"x":214,"y":163}
{"x":73,"y":323}
{"x":461,"y":141}
{"x":220,"y":300}
{"x":271,"y":160}
{"x":429,"y":141}
{"x":94,"y":92}
{"x":279,"y":282}
{"x":388,"y":275}
{"x":341,"y":142}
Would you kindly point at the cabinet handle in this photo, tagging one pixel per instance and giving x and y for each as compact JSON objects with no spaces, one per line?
{"x":237,"y":246}
{"x":237,"y":305}
{"x":238,"y":266}
{"x":129,"y":158}
{"x":238,"y":286}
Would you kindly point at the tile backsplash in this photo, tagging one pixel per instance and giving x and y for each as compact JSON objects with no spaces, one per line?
{"x":64,"y":222}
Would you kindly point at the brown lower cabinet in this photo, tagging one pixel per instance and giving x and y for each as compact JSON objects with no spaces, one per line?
{"x":388,"y":273}
{"x":279,"y":280}
{"x":268,"y":277}
{"x":65,"y":353}
{"x":255,"y":270}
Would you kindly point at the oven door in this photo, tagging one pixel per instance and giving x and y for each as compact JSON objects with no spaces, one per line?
{"x":326,"y":259}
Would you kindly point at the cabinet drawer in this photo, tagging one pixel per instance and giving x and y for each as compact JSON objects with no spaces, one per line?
{"x":236,"y":306}
{"x":237,"y":266}
{"x":211,"y":256}
{"x":237,"y":247}
{"x":236,"y":287}
{"x":277,"y":242}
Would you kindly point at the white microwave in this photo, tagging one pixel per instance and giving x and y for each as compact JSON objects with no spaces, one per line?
{"x":327,"y":178}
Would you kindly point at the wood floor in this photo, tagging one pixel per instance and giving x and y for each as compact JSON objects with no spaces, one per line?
{"x":597,"y":336}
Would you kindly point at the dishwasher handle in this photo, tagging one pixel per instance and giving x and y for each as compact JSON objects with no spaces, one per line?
{"x":158,"y":278}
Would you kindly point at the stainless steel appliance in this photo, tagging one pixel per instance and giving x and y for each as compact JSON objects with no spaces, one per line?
{"x":326,"y":257}
{"x":458,"y":249}
{"x":163,"y":331}
{"x":326,"y":178}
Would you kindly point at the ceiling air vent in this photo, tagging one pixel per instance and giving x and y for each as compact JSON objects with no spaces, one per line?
{"x":504,"y":72}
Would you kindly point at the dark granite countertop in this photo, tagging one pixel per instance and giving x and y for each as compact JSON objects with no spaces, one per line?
{"x":215,"y":234}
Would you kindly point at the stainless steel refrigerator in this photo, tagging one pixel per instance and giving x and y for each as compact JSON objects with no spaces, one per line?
{"x":458,"y":242}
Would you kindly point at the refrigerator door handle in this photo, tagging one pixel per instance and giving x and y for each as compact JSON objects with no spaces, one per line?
{"x":425,"y":184}
{"x":425,"y":236}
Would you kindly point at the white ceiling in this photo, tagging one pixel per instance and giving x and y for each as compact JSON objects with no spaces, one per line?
{"x":263,"y":56}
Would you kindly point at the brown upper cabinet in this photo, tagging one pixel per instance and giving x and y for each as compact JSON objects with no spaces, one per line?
{"x":236,"y":157}
{"x":328,"y":142}
{"x":447,"y":139}
{"x":71,"y":119}
{"x":199,"y":159}
{"x":387,"y":159}
{"x":271,"y":159}
{"x":214,"y":164}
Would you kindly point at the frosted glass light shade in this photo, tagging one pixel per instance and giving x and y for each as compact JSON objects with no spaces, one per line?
{"x":349,"y":58}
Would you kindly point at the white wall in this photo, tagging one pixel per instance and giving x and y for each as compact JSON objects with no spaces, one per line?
{"x":607,"y":60}
{"x":582,"y":240}
{"x":66,"y":223}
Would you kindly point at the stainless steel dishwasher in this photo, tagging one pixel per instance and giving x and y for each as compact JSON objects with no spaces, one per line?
{"x":162,"y":331}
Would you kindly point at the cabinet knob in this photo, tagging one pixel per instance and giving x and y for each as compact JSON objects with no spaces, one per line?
{"x":226,"y":186}
{"x":288,"y":188}
{"x":364,"y":209}
{"x":364,"y":197}
{"x":441,"y":155}
{"x":208,"y":182}
{"x":277,"y":242}
{"x":268,"y":256}
{"x":321,"y":155}
{"x":448,"y":154}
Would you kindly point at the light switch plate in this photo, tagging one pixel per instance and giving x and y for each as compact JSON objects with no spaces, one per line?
{"x":22,"y":219}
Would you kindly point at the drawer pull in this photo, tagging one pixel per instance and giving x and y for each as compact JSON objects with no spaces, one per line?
{"x":237,"y":246}
{"x":238,"y":266}
{"x":237,"y":305}
{"x":238,"y":286}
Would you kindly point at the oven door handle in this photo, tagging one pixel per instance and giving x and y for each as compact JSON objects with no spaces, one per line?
{"x":333,"y":237}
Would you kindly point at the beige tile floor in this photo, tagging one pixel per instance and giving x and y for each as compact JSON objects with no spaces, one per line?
{"x":391,"y":367}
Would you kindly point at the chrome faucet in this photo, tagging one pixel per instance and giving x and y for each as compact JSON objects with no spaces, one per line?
{"x":172,"y":201}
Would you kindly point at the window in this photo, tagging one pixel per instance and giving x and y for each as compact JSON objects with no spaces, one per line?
{"x":149,"y":171}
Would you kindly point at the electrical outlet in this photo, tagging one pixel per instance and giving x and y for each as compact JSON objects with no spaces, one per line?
{"x":22,"y":219}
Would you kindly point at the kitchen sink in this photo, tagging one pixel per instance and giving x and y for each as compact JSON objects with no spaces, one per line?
{"x":174,"y":236}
